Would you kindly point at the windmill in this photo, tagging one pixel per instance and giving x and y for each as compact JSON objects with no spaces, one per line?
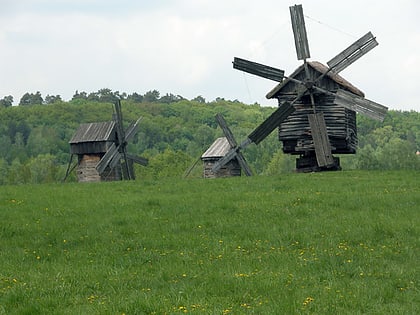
{"x":117,"y":152}
{"x":102,"y":149}
{"x":316,"y":113}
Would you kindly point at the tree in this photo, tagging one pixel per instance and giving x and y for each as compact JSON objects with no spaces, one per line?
{"x":6,"y":101}
{"x":79,"y":96}
{"x":4,"y":168}
{"x":135,"y":97}
{"x":51,"y":99}
{"x":170,"y":98}
{"x":43,"y":169}
{"x":31,"y":99}
{"x":199,"y":99}
{"x":151,"y":96}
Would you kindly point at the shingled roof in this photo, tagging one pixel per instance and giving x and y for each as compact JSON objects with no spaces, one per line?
{"x":93,"y":132}
{"x":319,"y":67}
{"x":218,"y":149}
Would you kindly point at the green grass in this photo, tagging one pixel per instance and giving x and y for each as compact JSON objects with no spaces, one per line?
{"x":323,"y":243}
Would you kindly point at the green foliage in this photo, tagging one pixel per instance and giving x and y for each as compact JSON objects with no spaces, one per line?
{"x":323,"y":243}
{"x":6,"y":101}
{"x":31,"y":99}
{"x":173,"y":124}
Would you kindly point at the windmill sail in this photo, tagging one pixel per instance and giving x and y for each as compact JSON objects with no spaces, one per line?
{"x":349,"y":55}
{"x":107,"y":158}
{"x":233,"y":152}
{"x":258,"y":69}
{"x":322,"y":144}
{"x":132,"y":130}
{"x":299,"y":32}
{"x":273,"y":121}
{"x":360,"y":105}
{"x":226,"y":130}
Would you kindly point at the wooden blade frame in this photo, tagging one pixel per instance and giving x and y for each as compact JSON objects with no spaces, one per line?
{"x":138,"y":159}
{"x":322,"y":144}
{"x":107,"y":158}
{"x":360,"y":105}
{"x":258,"y":69}
{"x":132,"y":130}
{"x":299,"y":32}
{"x":273,"y":121}
{"x":349,"y":55}
{"x":234,"y":152}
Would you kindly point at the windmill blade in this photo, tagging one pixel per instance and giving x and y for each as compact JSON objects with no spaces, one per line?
{"x":360,"y":105}
{"x":299,"y":32}
{"x":226,"y":130}
{"x":258,"y":69}
{"x":109,"y":156}
{"x":132,"y":130}
{"x":273,"y":121}
{"x":349,"y":55}
{"x":119,"y":123}
{"x":232,"y":153}
{"x":322,"y":144}
{"x":127,"y":171}
{"x":138,"y":159}
{"x":243,"y":164}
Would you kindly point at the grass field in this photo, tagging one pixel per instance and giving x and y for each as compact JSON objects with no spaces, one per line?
{"x":323,"y":243}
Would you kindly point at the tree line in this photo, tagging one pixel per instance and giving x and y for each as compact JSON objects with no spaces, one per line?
{"x":174,"y":132}
{"x":102,"y":95}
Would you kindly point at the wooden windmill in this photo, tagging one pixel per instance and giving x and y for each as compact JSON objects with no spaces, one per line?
{"x":221,"y":148}
{"x":316,"y":114}
{"x":102,"y":150}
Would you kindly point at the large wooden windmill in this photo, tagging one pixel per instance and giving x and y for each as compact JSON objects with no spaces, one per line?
{"x":101,"y":149}
{"x":316,"y":114}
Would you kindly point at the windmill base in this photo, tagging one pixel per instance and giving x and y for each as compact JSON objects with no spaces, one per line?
{"x":308,"y":163}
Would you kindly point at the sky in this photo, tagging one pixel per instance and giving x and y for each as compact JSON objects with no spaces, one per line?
{"x":186,"y":47}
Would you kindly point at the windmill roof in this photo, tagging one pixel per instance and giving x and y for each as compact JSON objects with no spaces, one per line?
{"x":218,"y":149}
{"x":93,"y":132}
{"x":321,"y":68}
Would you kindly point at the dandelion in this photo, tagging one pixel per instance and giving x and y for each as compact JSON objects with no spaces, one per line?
{"x":308,"y":300}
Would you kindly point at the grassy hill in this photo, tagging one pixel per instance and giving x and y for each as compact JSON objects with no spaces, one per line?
{"x":323,"y":243}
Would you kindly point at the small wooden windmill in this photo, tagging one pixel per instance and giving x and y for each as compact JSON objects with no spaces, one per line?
{"x":219,"y":149}
{"x":101,"y":149}
{"x":316,"y":114}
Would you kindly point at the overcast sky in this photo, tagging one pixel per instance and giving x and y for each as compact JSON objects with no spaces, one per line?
{"x":186,"y":47}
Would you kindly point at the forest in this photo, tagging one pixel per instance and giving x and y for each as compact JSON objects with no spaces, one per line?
{"x":173,"y":134}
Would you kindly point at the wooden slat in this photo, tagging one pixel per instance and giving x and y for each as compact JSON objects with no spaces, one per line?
{"x":321,"y":142}
{"x":224,"y":160}
{"x":138,"y":159}
{"x":132,"y":130}
{"x":258,"y":69}
{"x":360,"y":105}
{"x":352,"y":53}
{"x":243,"y":164}
{"x":273,"y":121}
{"x":226,"y":130}
{"x":299,"y":31}
{"x":107,"y":158}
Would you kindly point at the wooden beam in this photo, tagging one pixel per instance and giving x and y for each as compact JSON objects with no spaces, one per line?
{"x":321,"y":142}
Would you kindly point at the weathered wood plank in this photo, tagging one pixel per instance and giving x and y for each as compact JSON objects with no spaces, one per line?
{"x":352,"y":53}
{"x":360,"y":105}
{"x":258,"y":69}
{"x":321,"y":141}
{"x":299,"y":32}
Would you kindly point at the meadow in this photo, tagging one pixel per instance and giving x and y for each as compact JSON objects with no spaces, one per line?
{"x":321,"y":243}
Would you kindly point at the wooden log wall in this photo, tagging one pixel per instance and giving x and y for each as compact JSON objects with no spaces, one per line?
{"x":86,"y":170}
{"x":230,"y":169}
{"x":295,"y":131}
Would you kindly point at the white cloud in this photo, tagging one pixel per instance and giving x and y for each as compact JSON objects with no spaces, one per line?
{"x":186,"y":47}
